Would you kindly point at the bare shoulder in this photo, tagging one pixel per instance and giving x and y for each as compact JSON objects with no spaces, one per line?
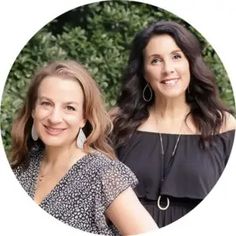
{"x":229,"y":123}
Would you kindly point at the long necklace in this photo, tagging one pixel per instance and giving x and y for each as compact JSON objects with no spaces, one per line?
{"x":163,"y":174}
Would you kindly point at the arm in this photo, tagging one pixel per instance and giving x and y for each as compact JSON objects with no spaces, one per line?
{"x":128,"y":214}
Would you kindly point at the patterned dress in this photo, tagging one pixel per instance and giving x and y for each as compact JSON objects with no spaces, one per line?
{"x":82,"y":196}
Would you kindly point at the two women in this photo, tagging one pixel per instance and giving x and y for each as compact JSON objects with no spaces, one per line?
{"x":170,"y":129}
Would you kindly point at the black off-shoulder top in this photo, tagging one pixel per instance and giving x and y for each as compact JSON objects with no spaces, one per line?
{"x":193,"y":173}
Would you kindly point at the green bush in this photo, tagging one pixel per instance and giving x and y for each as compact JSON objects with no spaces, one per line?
{"x":98,"y":35}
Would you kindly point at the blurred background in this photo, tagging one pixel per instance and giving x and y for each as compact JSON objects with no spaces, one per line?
{"x":98,"y":35}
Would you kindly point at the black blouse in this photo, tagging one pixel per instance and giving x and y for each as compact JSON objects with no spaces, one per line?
{"x":193,"y":173}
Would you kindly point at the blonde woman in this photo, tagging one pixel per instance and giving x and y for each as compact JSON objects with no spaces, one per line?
{"x":61,"y":156}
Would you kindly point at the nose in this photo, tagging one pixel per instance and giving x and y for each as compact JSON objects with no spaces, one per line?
{"x":168,"y":67}
{"x":55,"y":116}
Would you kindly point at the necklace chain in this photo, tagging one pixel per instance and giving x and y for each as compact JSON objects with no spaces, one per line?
{"x":176,"y":144}
{"x":160,"y":206}
{"x":175,"y":147}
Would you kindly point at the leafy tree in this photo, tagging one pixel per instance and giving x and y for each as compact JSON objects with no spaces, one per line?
{"x":98,"y":35}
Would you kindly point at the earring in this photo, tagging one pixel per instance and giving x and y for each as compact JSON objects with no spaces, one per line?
{"x":34,"y":134}
{"x":150,"y":92}
{"x":80,"y":139}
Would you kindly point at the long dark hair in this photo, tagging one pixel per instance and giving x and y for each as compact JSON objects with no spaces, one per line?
{"x":206,"y":108}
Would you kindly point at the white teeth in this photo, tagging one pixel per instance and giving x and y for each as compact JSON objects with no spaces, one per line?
{"x":54,"y":131}
{"x":169,"y":82}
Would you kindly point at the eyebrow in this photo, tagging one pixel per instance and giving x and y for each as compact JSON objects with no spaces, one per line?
{"x":67,"y":103}
{"x":72,"y":103}
{"x":158,"y":55}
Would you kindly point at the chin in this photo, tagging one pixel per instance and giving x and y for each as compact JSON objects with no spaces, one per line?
{"x":52,"y":141}
{"x":173,"y":94}
{"x":53,"y":144}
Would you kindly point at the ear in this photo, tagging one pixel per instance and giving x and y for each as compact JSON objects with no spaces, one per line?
{"x":83,"y":122}
{"x":33,"y":113}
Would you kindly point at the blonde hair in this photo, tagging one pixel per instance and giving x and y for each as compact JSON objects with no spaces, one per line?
{"x":98,"y":125}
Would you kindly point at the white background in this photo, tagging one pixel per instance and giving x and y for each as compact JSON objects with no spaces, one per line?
{"x":20,"y":20}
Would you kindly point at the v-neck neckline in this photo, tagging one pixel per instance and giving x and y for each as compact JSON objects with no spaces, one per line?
{"x":61,"y":180}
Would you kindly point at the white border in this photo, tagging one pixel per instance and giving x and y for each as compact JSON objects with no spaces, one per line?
{"x":20,"y":20}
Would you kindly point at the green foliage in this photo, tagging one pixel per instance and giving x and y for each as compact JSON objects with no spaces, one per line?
{"x":98,"y":35}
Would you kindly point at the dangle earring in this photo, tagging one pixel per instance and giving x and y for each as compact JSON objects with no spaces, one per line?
{"x":80,"y":139}
{"x":34,"y":134}
{"x":147,"y":87}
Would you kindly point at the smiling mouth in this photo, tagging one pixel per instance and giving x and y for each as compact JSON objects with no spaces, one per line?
{"x":53,"y":131}
{"x":170,"y":82}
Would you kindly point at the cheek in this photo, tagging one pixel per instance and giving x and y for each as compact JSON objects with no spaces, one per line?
{"x":185,"y":70}
{"x":187,"y":76}
{"x":151,"y":74}
{"x":40,"y":114}
{"x":74,"y":121}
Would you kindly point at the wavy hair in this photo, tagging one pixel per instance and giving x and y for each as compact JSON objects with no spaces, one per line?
{"x":98,"y":124}
{"x":205,"y":105}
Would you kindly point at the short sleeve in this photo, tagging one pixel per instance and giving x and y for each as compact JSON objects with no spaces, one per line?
{"x":115,"y":178}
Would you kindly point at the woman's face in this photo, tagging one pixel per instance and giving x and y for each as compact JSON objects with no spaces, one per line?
{"x":58,"y":113}
{"x":165,"y":67}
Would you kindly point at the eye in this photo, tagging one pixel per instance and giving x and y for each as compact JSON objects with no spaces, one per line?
{"x":45,"y":103}
{"x":156,"y":61}
{"x":177,"y":56}
{"x":70,"y":108}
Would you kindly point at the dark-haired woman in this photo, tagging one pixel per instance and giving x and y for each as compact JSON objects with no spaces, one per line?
{"x":170,"y":126}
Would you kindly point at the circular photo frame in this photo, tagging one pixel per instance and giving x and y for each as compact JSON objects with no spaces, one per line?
{"x":98,"y":35}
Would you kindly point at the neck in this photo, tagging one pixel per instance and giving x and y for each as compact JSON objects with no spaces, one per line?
{"x":59,"y":155}
{"x":171,"y":109}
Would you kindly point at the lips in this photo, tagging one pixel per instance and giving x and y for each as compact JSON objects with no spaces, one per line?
{"x":170,"y":82}
{"x":53,"y":131}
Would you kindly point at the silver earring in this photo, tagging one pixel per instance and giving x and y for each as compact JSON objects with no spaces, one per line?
{"x":80,"y":139}
{"x":34,"y":134}
{"x":150,"y":92}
